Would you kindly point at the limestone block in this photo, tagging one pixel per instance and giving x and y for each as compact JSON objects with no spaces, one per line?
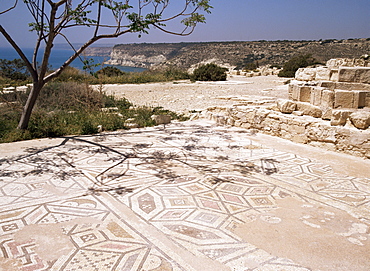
{"x":322,"y":73}
{"x":309,"y":109}
{"x":367,"y":102}
{"x":315,"y":97}
{"x":286,"y":106}
{"x":359,"y":99}
{"x":343,"y":98}
{"x":360,"y":119}
{"x":327,"y":99}
{"x":354,"y":74}
{"x":305,"y":74}
{"x":161,"y":119}
{"x":331,"y":63}
{"x":363,"y":75}
{"x":326,"y":113}
{"x":339,"y":117}
{"x":327,"y":84}
{"x":351,"y":86}
{"x":334,"y":74}
{"x":294,"y":92}
{"x":290,"y":91}
{"x":302,"y":93}
{"x":322,"y":133}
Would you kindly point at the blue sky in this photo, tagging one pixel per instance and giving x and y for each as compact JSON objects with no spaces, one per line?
{"x":241,"y":20}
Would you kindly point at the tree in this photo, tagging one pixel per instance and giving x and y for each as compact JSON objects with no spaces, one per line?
{"x":54,"y":18}
{"x":209,"y":72}
{"x":13,"y":69}
{"x":296,"y":62}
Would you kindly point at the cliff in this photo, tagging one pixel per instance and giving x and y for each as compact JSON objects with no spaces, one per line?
{"x":233,"y":54}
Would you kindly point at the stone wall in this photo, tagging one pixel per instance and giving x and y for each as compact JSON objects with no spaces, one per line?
{"x":300,"y":129}
{"x":328,"y":106}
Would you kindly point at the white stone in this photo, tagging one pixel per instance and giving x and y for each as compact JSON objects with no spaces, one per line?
{"x":286,"y":106}
{"x":360,"y":119}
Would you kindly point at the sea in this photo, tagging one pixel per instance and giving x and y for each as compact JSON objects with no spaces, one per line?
{"x":59,"y":56}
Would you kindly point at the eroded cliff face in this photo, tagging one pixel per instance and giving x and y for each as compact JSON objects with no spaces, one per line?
{"x":144,"y":55}
{"x":233,"y":54}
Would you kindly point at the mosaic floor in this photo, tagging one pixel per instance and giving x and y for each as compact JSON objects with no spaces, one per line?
{"x":173,"y":198}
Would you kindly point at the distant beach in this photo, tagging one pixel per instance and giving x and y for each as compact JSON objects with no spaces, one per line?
{"x":58,"y":57}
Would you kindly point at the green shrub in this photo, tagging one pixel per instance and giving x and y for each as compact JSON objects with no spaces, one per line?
{"x":14,"y":69}
{"x":295,"y":63}
{"x":69,"y":108}
{"x":110,"y":71}
{"x":69,"y":96}
{"x":209,"y":72}
{"x":72,"y":74}
{"x":173,"y":73}
{"x":251,"y":66}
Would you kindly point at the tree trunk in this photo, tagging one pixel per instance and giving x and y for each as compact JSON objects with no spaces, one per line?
{"x":27,"y":109}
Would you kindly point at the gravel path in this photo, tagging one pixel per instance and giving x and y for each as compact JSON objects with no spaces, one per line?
{"x":184,"y":96}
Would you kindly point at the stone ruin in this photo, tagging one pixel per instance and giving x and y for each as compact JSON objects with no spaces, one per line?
{"x":339,"y":92}
{"x":328,"y":107}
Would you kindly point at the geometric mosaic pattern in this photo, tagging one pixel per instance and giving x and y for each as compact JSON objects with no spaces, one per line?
{"x":157,"y":199}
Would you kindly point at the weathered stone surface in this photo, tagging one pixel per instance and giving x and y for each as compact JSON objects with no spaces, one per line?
{"x":327,"y":84}
{"x":161,"y":119}
{"x":309,"y":109}
{"x":354,"y":74}
{"x":305,"y":74}
{"x":360,"y":119}
{"x":302,"y":93}
{"x":327,"y":113}
{"x":286,"y":106}
{"x":327,"y":99}
{"x":316,"y":94}
{"x":351,"y":86}
{"x":334,"y":73}
{"x":322,"y":73}
{"x":302,"y":129}
{"x":322,"y":133}
{"x":339,"y":117}
{"x":343,"y":98}
{"x":359,"y":98}
{"x":348,"y":62}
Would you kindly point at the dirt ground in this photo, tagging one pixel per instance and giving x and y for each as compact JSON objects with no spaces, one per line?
{"x":184,"y":96}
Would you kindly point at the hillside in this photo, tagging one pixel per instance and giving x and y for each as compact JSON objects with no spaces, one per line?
{"x":235,"y":54}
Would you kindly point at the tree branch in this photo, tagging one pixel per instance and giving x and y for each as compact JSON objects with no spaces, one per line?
{"x":9,"y":9}
{"x":20,"y":53}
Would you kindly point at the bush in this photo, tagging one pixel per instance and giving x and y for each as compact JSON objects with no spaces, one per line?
{"x":209,"y":72}
{"x":173,"y":73}
{"x":110,"y":71}
{"x":69,"y":108}
{"x":14,"y":69}
{"x":251,"y":66}
{"x":72,"y":74}
{"x":69,"y":96}
{"x":295,"y":63}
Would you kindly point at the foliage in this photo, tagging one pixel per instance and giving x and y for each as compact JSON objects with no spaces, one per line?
{"x":251,"y":66}
{"x":13,"y":72}
{"x":148,"y":76}
{"x":110,"y":71}
{"x":70,"y":108}
{"x":72,"y":74}
{"x":296,"y":62}
{"x":69,"y":96}
{"x":209,"y":72}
